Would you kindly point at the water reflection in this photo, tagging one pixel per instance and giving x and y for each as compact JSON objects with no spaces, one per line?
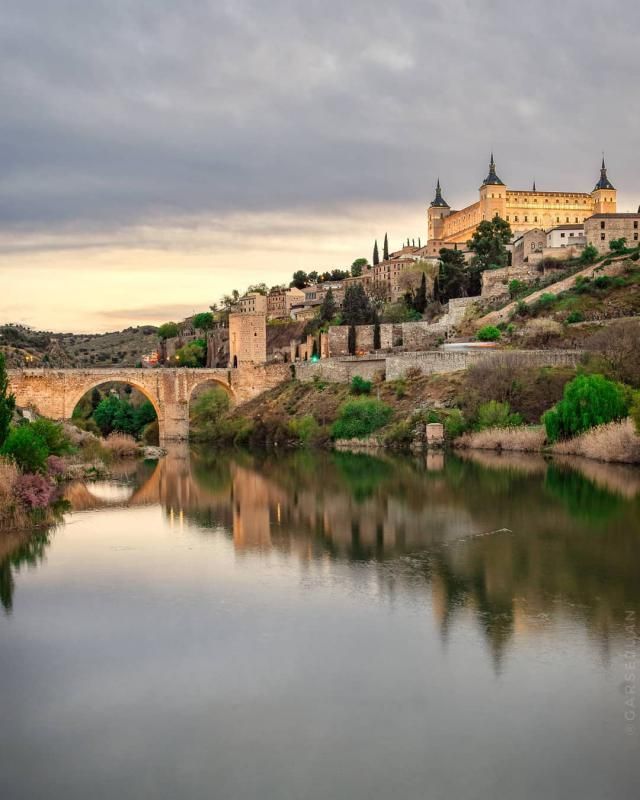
{"x":515,"y":542}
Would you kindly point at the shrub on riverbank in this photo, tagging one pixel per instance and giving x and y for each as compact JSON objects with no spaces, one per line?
{"x":122,"y":445}
{"x":360,"y":418}
{"x":522,"y":439}
{"x":588,"y":401}
{"x":615,"y":441}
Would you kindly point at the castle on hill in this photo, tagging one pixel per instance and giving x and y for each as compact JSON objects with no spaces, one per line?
{"x":523,"y":210}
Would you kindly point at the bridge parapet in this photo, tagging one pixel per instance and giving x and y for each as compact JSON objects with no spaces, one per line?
{"x":54,"y":393}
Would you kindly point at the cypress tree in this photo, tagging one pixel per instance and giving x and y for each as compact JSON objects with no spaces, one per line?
{"x":351,"y":340}
{"x":376,"y":257}
{"x":376,"y":331}
{"x":385,"y":249}
{"x":420,"y":300}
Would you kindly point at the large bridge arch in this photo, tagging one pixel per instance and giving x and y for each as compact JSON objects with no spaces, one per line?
{"x":75,"y":398}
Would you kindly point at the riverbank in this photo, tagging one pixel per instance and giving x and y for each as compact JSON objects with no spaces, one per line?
{"x":496,"y":405}
{"x":34,"y":479}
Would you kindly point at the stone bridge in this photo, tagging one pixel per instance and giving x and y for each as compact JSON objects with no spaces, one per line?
{"x":54,"y":393}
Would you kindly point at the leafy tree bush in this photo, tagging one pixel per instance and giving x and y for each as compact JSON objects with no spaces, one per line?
{"x":193,"y":354}
{"x":168,"y":331}
{"x":360,"y":385}
{"x":588,"y":400}
{"x":359,"y":418}
{"x":207,"y":412}
{"x":305,"y":428}
{"x":34,"y":491}
{"x":356,"y":308}
{"x":203,"y":321}
{"x":618,"y":245}
{"x":328,"y":308}
{"x":27,"y":448}
{"x":7,"y":402}
{"x":588,"y":255}
{"x":575,"y":316}
{"x":496,"y":415}
{"x":53,"y":435}
{"x":454,"y":423}
{"x":516,"y":287}
{"x":489,"y":333}
{"x":489,"y":243}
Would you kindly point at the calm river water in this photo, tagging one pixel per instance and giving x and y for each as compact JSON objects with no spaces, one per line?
{"x":332,"y":626}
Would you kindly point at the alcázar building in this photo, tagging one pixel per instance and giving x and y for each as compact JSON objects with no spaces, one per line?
{"x":523,"y":210}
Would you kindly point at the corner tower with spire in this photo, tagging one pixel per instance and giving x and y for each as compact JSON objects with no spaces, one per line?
{"x":438,"y":211}
{"x":493,"y":194}
{"x":604,"y":194}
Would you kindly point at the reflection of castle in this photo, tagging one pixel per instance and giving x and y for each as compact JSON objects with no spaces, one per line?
{"x":472,"y":541}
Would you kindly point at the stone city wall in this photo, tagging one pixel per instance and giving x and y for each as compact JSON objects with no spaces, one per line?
{"x":340,"y":370}
{"x":443,"y":361}
{"x":495,"y":282}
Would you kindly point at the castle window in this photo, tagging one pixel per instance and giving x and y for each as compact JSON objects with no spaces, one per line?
{"x":602,"y":224}
{"x":535,"y":219}
{"x":562,"y":235}
{"x":635,"y":237}
{"x":515,"y":219}
{"x":576,"y":219}
{"x":526,"y":219}
{"x":567,"y":219}
{"x":507,"y":218}
{"x":557,"y":219}
{"x":635,"y":224}
{"x":603,"y":236}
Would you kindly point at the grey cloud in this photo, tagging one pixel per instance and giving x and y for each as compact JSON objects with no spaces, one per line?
{"x":120,"y":111}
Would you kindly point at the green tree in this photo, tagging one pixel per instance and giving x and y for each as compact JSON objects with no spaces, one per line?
{"x":376,"y":331}
{"x":203,"y":321}
{"x":96,"y":398}
{"x":300,"y":279}
{"x":328,"y":307}
{"x":27,"y":448}
{"x":376,"y":257}
{"x":53,"y":435}
{"x":488,"y":333}
{"x":260,"y":288}
{"x":351,"y":340}
{"x":489,"y":243}
{"x":356,"y":308}
{"x":7,"y":402}
{"x":588,"y":255}
{"x":618,"y":245}
{"x":358,"y":266}
{"x":453,"y":276}
{"x":168,"y":331}
{"x":360,"y":417}
{"x":385,"y":248}
{"x":105,"y":414}
{"x":420,"y":298}
{"x":496,"y":415}
{"x":192,"y":354}
{"x":144,"y":415}
{"x":588,"y":400}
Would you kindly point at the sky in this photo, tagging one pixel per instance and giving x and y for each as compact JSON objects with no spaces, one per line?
{"x":155,"y":154}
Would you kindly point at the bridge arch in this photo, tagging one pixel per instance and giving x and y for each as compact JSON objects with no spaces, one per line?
{"x":76,"y":395}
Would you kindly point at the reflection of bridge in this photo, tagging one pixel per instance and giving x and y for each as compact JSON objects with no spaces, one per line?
{"x":55,"y":393}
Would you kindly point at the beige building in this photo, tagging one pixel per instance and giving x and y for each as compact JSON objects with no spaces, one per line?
{"x":524,"y":210}
{"x":281,"y":300}
{"x":602,"y":229}
{"x":252,"y":303}
{"x":529,"y":248}
{"x":247,"y":339}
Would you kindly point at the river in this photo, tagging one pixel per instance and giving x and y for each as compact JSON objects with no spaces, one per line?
{"x":340,"y":626}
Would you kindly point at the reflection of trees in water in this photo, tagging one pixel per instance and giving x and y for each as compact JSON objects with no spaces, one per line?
{"x":20,"y":550}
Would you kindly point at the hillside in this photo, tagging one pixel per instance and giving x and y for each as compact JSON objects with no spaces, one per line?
{"x":25,"y":347}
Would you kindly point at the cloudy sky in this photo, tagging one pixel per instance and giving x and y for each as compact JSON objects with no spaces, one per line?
{"x":157,"y":153}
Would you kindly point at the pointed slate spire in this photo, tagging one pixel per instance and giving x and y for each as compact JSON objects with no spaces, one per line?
{"x":604,"y":182}
{"x":439,"y":201}
{"x":492,"y":179}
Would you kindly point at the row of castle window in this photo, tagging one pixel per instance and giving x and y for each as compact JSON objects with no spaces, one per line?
{"x":535,"y":219}
{"x":603,"y":224}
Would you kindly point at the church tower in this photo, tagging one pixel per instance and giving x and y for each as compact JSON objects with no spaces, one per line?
{"x":438,"y":210}
{"x":493,"y":195}
{"x":604,"y":194}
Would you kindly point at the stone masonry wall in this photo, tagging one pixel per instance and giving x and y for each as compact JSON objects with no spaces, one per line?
{"x":340,"y":370}
{"x":443,"y":361}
